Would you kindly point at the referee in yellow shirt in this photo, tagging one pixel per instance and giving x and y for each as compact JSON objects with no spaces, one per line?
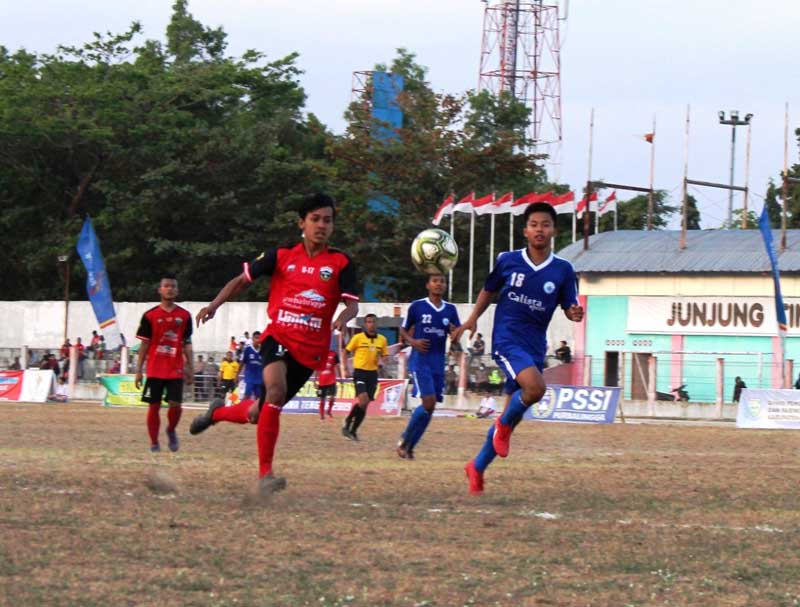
{"x":367,"y":348}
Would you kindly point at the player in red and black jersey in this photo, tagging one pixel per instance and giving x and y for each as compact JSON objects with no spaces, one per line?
{"x":166,"y":334}
{"x":309,"y":280}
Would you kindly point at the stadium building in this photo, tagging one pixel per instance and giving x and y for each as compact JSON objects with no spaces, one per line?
{"x":703,"y":312}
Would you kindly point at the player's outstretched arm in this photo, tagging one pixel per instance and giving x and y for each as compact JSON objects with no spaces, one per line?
{"x":485,"y":298}
{"x":574,"y":313}
{"x":232,"y":289}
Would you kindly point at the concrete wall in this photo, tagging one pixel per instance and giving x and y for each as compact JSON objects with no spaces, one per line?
{"x":687,"y":284}
{"x":40,"y":324}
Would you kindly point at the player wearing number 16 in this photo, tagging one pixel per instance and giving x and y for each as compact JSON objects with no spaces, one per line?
{"x":529,"y":284}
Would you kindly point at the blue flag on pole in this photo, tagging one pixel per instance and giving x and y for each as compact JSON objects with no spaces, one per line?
{"x":97,"y":287}
{"x":780,"y":312}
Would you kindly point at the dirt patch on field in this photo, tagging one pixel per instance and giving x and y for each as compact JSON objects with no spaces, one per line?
{"x":577,"y":515}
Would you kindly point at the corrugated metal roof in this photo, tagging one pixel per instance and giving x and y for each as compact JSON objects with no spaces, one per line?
{"x":658,"y":251}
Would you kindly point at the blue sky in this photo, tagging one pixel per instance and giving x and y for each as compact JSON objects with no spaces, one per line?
{"x":627,"y":59}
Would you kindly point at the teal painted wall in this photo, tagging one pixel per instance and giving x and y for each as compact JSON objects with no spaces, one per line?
{"x":607,"y":316}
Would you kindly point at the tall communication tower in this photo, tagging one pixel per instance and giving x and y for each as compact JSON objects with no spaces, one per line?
{"x":521,"y":55}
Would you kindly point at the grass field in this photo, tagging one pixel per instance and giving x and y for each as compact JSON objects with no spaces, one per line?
{"x":578,"y":515}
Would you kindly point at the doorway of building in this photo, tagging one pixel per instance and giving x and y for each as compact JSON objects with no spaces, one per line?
{"x":640,"y":376}
{"x":612,"y":369}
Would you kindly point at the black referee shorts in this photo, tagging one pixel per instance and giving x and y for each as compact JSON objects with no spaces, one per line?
{"x":365,"y":381}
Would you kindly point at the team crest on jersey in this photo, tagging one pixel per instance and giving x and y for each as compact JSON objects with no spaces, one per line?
{"x":445,"y":321}
{"x":178,"y":321}
{"x":549,"y":287}
{"x":290,"y":267}
{"x":325,"y":272}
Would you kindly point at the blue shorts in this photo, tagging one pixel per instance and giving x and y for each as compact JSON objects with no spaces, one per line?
{"x":428,"y":384}
{"x":512,"y":362}
{"x":253,"y":390}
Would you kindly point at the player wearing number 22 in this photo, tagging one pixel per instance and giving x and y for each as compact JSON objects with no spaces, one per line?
{"x":426,"y":328}
{"x":529,"y":284}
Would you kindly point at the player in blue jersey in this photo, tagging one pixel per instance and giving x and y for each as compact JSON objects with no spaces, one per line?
{"x":253,"y":373}
{"x":529,"y":284}
{"x":426,"y":327}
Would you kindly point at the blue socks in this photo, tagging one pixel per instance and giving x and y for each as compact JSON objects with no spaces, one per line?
{"x":487,"y":453}
{"x":515,"y":410}
{"x":417,"y":425}
{"x":513,"y":414}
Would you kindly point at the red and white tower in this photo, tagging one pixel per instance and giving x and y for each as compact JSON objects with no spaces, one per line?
{"x":521,"y":54}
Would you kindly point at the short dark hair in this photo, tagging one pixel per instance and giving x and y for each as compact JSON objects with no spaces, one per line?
{"x":167,"y":276}
{"x":540,"y":207}
{"x":370,"y":315}
{"x":314,"y":202}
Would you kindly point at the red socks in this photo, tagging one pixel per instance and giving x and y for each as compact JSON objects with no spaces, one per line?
{"x":269,"y":425}
{"x":153,"y":422}
{"x":173,"y":417}
{"x":236,"y":414}
{"x":322,"y":409}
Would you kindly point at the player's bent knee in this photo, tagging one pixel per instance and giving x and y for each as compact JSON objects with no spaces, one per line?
{"x":276,"y":395}
{"x":533,"y":394}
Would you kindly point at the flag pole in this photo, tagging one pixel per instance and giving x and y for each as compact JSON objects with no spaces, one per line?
{"x":682,"y":244}
{"x":746,"y":175}
{"x":491,"y":238}
{"x":588,"y":194}
{"x":785,"y":175}
{"x":650,"y":204}
{"x":450,"y":278}
{"x":471,"y":252}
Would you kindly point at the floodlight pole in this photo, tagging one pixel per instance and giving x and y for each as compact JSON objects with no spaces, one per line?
{"x":733,"y":121}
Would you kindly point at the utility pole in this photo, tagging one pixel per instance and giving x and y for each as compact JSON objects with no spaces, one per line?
{"x":733,"y":121}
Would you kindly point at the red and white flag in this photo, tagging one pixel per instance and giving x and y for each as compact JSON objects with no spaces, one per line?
{"x":564,"y":203}
{"x":465,"y":204}
{"x":504,"y":203}
{"x":609,"y":204}
{"x":446,"y":208}
{"x":484,"y":206}
{"x":519,"y":206}
{"x":582,"y":205}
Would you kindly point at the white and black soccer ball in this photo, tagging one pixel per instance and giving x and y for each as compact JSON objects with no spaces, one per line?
{"x":434,"y":251}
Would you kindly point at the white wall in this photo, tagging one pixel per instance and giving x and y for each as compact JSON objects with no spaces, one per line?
{"x":40,"y":324}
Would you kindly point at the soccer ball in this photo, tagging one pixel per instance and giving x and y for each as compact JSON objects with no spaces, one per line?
{"x":434,"y":251}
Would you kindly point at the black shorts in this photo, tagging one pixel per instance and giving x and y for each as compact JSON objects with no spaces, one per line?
{"x":326,"y":391}
{"x":228,"y":385}
{"x":296,"y":374}
{"x":365,"y":381}
{"x":155,"y":389}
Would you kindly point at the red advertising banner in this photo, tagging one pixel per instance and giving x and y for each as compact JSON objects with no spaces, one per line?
{"x":11,"y":384}
{"x":390,"y":398}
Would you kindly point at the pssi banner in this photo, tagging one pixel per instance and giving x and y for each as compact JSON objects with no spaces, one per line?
{"x":769,"y":409}
{"x":390,"y":398}
{"x":31,"y":385}
{"x":586,"y":404}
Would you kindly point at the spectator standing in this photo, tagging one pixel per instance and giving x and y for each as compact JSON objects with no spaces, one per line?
{"x":100,"y":348}
{"x":738,"y":386}
{"x":200,"y":393}
{"x":65,"y":348}
{"x":15,"y":366}
{"x":210,"y":375}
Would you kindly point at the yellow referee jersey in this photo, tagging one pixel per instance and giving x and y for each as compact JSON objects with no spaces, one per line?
{"x":367,"y":351}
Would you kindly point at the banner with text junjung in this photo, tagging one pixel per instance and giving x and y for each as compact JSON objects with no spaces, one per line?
{"x":709,"y":315}
{"x":769,"y":409}
{"x":588,"y":404}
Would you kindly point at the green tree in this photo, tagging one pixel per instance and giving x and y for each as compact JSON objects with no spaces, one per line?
{"x":447,"y":144}
{"x":187,"y":160}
